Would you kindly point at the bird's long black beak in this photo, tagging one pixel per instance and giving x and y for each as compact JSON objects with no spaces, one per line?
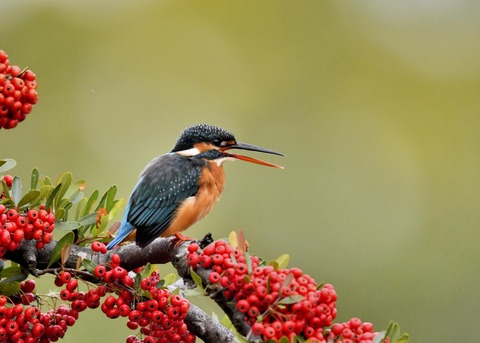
{"x":245,"y":146}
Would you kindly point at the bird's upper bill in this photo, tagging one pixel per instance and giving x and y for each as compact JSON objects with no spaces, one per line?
{"x":245,"y":146}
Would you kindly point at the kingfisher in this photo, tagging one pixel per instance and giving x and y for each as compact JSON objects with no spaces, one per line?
{"x":179,"y":188}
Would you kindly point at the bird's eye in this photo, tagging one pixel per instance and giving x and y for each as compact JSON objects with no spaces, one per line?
{"x":217,"y":142}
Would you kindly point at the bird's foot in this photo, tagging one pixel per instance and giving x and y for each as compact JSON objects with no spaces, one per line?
{"x":179,"y":239}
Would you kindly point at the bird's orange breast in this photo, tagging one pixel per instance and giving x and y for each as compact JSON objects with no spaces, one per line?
{"x":211,"y":184}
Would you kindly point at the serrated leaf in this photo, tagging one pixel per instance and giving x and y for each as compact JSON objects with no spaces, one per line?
{"x":197,"y":279}
{"x":232,"y":239}
{"x":292,"y":299}
{"x":67,"y":239}
{"x":88,"y":265}
{"x":30,"y":197}
{"x":7,"y":164}
{"x":34,"y":178}
{"x":16,"y":190}
{"x":67,"y":226}
{"x":283,"y":261}
{"x":9,"y":288}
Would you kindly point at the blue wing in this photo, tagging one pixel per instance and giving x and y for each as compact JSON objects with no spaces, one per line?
{"x":164,"y":184}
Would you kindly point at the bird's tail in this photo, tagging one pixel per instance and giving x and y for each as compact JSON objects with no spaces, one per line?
{"x":125,"y":229}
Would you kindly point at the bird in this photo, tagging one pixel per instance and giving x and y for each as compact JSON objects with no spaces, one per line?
{"x":177,"y":189}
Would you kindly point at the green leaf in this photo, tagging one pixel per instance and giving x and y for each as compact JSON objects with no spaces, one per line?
{"x":117,"y":206}
{"x":102,"y":201}
{"x":43,"y":193}
{"x":16,"y":190}
{"x":75,"y":199}
{"x":404,"y":338}
{"x":138,"y":280}
{"x":379,"y":337}
{"x":292,"y":299}
{"x":60,"y":215}
{"x":80,"y":207}
{"x":65,"y":181}
{"x":88,"y":219}
{"x":283,"y":261}
{"x":15,"y":278}
{"x":284,"y":340}
{"x":67,"y":226}
{"x":29,"y":197}
{"x":56,"y":253}
{"x":90,"y":202}
{"x":10,"y":271}
{"x":110,"y":198}
{"x":51,"y":196}
{"x":88,"y":265}
{"x":288,"y":280}
{"x":6,"y":191}
{"x":9,"y":288}
{"x":197,"y":279}
{"x":249,"y":263}
{"x":274,"y":264}
{"x":169,"y":279}
{"x":96,"y":230}
{"x":34,"y":178}
{"x":7,"y":164}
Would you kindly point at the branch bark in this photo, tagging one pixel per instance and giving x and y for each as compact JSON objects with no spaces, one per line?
{"x":160,"y":251}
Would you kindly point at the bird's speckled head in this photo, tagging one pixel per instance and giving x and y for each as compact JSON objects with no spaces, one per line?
{"x":203,"y":133}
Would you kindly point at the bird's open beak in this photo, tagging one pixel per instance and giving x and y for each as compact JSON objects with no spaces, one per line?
{"x":245,"y":146}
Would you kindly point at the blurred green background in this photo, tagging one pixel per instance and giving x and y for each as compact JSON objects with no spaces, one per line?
{"x":375,"y":103}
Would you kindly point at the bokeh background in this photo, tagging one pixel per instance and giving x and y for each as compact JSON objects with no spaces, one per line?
{"x":375,"y":103}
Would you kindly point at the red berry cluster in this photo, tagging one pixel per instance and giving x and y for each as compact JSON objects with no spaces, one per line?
{"x":28,"y":324}
{"x":159,"y":314}
{"x":162,"y":317}
{"x":353,"y":331}
{"x":17,"y":226}
{"x":275,"y":303}
{"x":18,"y":93}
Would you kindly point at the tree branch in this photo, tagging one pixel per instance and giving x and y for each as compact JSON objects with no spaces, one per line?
{"x":160,"y":251}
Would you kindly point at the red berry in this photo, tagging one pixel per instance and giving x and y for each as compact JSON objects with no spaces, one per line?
{"x":65,"y":277}
{"x":243,"y":306}
{"x":193,"y":247}
{"x":99,"y":271}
